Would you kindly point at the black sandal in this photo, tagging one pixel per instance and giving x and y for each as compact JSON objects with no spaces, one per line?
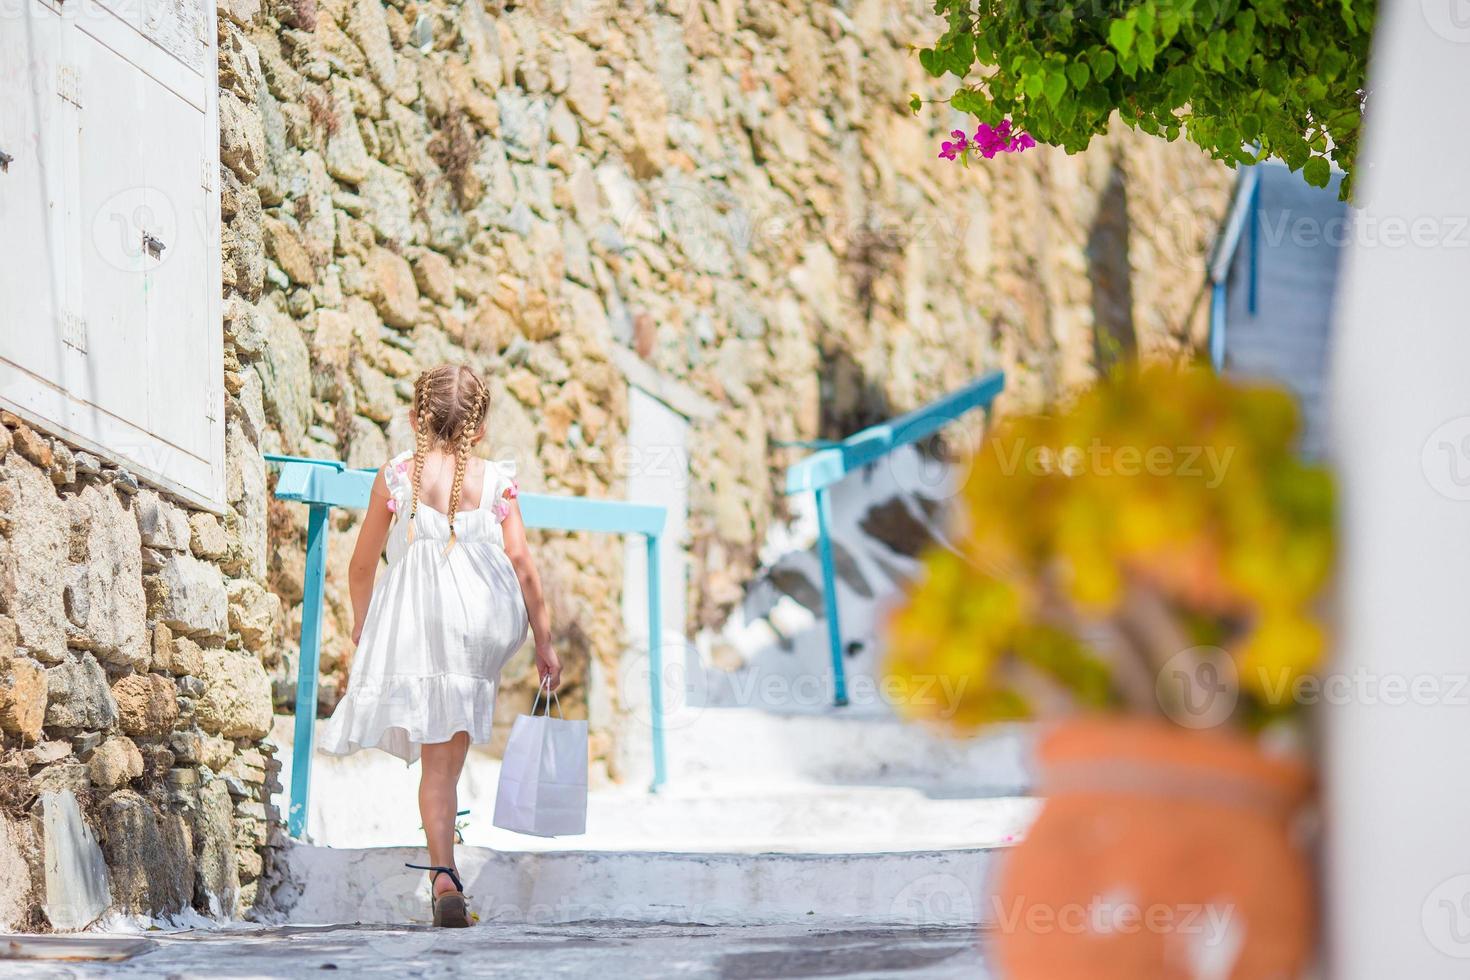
{"x":450,"y":911}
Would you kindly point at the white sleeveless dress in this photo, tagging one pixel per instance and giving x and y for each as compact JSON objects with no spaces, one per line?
{"x":439,"y":627}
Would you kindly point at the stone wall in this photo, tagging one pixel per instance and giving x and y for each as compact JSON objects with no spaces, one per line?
{"x":131,"y":633}
{"x":733,"y":192}
{"x":736,"y":192}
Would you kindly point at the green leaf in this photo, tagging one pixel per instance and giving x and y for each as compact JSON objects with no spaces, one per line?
{"x":1214,"y":50}
{"x":1168,"y":26}
{"x":1055,"y":87}
{"x":1296,"y":153}
{"x":1271,"y":11}
{"x":1144,"y":18}
{"x":1275,"y":80}
{"x":1181,"y":80}
{"x":1334,"y":60}
{"x":1120,"y":36}
{"x":1147,"y":49}
{"x":1242,"y":79}
{"x":1238,"y":48}
{"x":962,"y":55}
{"x":1317,"y":172}
{"x":967,"y":100}
{"x":1067,"y":112}
{"x":915,"y":103}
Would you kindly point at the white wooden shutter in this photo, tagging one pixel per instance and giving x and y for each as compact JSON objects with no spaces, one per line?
{"x":118,"y":344}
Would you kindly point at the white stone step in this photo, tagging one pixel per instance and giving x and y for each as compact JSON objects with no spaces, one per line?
{"x":832,"y":747}
{"x":346,"y":885}
{"x":370,"y":800}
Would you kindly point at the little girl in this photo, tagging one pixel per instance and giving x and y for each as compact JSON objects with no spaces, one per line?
{"x":434,"y":632}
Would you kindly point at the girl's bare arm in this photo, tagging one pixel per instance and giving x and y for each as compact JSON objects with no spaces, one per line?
{"x":518,"y":550}
{"x":363,"y":568}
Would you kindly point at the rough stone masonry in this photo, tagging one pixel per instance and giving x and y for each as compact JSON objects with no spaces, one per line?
{"x":733,"y":192}
{"x":130,"y":677}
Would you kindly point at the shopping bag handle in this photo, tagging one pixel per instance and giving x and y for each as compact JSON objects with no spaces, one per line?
{"x":546,"y":686}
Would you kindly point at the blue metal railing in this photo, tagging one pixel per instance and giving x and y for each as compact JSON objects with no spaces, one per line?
{"x":817,"y":473}
{"x":1243,"y":218}
{"x":324,"y":484}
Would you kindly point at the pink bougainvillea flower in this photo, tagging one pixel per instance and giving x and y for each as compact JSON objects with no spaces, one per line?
{"x":948,"y":150}
{"x":987,"y":141}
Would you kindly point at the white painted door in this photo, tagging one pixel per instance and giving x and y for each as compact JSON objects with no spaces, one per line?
{"x":31,"y":199}
{"x":109,"y":260}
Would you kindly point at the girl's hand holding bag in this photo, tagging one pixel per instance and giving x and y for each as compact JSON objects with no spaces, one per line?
{"x":543,"y":777}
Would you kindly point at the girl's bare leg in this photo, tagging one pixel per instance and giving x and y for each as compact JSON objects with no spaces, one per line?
{"x":440,"y":765}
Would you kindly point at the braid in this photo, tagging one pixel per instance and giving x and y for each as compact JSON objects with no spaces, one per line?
{"x":420,"y":450}
{"x":468,"y":426}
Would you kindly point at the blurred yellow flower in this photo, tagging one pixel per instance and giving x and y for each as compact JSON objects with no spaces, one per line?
{"x":1162,"y":506}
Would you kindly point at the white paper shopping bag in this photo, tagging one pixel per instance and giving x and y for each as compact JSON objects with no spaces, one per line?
{"x":543,"y":777}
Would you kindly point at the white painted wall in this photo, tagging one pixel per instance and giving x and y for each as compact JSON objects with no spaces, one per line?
{"x":1398,"y":789}
{"x":657,"y":473}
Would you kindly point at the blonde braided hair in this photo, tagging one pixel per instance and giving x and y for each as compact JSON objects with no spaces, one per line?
{"x":449,"y":404}
{"x":467,"y":430}
{"x":420,"y":450}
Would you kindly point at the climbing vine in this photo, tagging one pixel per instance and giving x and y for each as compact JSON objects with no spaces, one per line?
{"x":1243,"y":79}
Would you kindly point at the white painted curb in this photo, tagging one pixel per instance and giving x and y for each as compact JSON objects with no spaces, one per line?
{"x":370,"y":885}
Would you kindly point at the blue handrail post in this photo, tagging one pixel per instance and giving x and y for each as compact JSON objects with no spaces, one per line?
{"x":1218,"y":300}
{"x":314,"y":589}
{"x":829,"y":597}
{"x":656,"y":663}
{"x":1254,"y":286}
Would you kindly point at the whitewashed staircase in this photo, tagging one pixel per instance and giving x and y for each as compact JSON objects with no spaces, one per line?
{"x":765,"y":819}
{"x":778,"y":806}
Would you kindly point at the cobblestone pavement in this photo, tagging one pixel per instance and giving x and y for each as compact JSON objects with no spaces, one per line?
{"x":603,"y":950}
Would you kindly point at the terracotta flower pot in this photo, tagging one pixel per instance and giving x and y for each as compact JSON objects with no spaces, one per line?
{"x":1161,"y":854}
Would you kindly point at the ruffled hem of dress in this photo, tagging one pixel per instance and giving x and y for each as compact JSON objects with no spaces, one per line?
{"x":400,"y":714}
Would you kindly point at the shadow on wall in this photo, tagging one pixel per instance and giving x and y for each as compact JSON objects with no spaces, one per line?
{"x":1110,"y":275}
{"x":850,"y":400}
